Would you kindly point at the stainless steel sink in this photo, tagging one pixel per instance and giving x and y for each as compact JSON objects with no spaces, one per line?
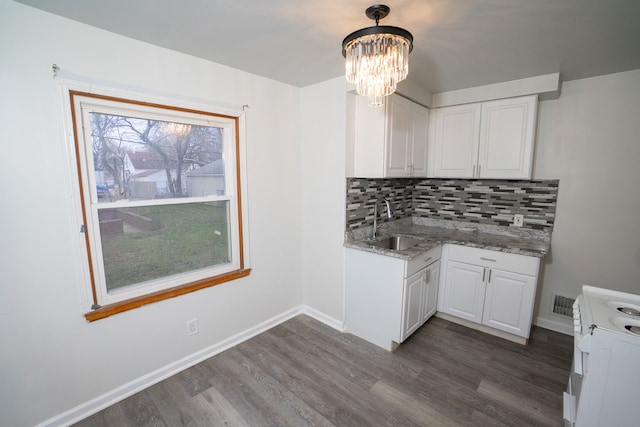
{"x":396,"y":243}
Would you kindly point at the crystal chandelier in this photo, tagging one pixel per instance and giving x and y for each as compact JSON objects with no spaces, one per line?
{"x":377,"y":58}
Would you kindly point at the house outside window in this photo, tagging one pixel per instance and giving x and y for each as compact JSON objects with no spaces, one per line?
{"x":160,"y":192}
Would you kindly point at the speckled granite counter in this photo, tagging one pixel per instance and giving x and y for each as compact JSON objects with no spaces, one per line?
{"x":437,"y":232}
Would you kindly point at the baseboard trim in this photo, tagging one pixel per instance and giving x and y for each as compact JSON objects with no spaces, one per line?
{"x":118,"y":394}
{"x":323,"y":318}
{"x":554,"y":325}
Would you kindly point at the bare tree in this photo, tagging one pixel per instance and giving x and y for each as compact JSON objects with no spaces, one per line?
{"x":181,"y":147}
{"x":109,"y":148}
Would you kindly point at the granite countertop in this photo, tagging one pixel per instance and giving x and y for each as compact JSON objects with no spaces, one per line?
{"x":432,"y":233}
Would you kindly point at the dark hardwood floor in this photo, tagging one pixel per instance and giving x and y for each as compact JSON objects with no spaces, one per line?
{"x":304,"y":373}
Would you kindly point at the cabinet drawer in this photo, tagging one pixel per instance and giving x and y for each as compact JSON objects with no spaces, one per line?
{"x":422,"y":261}
{"x":501,"y":260}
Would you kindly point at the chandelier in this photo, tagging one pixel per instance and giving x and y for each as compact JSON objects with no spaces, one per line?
{"x":377,"y":58}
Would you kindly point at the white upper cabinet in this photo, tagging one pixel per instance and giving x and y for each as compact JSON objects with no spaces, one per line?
{"x":418,"y":135}
{"x":389,"y":141}
{"x":507,"y":133}
{"x":492,"y":139}
{"x":398,"y":117}
{"x":455,"y":143}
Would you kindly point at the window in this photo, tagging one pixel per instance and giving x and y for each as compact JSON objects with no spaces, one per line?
{"x":161,"y":199}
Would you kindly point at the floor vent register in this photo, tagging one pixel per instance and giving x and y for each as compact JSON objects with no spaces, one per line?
{"x":563,"y":305}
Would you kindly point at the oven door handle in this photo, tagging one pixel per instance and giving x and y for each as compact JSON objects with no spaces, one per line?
{"x":585,"y":344}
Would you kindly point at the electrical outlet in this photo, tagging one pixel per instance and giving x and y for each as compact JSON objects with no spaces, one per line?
{"x":518,"y":220}
{"x":192,"y":327}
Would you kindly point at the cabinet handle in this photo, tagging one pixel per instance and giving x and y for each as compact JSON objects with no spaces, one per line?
{"x":427,"y":259}
{"x":428,"y":278}
{"x":487,"y":259}
{"x":479,"y":167}
{"x":489,"y":281}
{"x":484,"y":272}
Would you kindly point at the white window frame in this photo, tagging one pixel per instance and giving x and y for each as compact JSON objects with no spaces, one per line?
{"x":79,"y":100}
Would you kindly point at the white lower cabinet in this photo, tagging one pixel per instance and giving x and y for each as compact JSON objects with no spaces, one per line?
{"x":430,"y":294}
{"x":494,"y":289}
{"x":420,"y":299}
{"x":387,"y":298}
{"x":463,"y":291}
{"x":508,"y":304}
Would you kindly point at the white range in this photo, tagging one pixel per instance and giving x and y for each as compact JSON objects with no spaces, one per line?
{"x":604,"y":384}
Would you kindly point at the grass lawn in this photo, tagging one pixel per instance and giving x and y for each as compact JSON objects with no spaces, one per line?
{"x":184,"y":240}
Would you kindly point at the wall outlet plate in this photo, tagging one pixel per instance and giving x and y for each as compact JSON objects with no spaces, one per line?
{"x":192,"y":327}
{"x":518,"y":220}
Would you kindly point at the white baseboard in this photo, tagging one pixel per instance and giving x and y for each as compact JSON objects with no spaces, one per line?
{"x":118,"y":394}
{"x":101,"y":402}
{"x":555,"y":325}
{"x":321,"y":317}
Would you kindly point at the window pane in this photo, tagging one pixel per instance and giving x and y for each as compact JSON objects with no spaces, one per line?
{"x":142,"y":159}
{"x":140,"y":244}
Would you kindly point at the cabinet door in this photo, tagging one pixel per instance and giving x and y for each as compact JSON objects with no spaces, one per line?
{"x":365,"y":150}
{"x":412,"y":304}
{"x":398,"y":144}
{"x":418,"y":140}
{"x":509,"y":302}
{"x":507,"y":137}
{"x":430,"y":292}
{"x":455,"y":145}
{"x":464,"y":291}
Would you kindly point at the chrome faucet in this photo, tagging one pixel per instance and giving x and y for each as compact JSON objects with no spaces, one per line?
{"x":375,"y":216}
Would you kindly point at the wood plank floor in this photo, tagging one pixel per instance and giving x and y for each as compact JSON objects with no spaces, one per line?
{"x":304,"y":373}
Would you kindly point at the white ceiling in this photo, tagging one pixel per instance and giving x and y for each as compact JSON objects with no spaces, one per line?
{"x":457,"y":43}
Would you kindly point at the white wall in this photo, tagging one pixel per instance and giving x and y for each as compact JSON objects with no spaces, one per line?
{"x":589,"y":138}
{"x":51,"y":359}
{"x":323,"y":117}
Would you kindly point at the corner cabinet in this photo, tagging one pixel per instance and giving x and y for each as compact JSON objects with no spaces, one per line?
{"x":389,"y":141}
{"x":494,"y":289}
{"x":493,"y":139}
{"x":387,"y":298}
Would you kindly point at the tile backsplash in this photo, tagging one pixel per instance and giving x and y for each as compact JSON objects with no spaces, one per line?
{"x":492,"y":202}
{"x":362,"y":194}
